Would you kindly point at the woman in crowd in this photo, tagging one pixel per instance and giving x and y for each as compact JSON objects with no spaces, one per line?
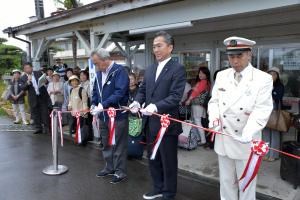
{"x":67,"y":118}
{"x":133,"y":87}
{"x":49,"y":74}
{"x":67,"y":87}
{"x":198,"y":98}
{"x":85,"y":83}
{"x":56,"y":90}
{"x":17,"y":97}
{"x":272,"y":136}
{"x":78,"y":101}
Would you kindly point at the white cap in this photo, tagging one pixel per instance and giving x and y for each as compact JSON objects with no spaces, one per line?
{"x":16,"y":70}
{"x":237,"y":45}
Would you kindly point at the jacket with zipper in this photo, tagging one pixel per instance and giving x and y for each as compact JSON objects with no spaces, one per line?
{"x":114,"y":92}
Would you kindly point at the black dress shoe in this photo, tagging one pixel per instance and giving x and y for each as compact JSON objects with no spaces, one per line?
{"x":117,"y":179}
{"x":104,"y":174}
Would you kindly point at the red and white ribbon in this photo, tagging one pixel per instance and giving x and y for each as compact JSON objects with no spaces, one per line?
{"x":112,"y":134}
{"x":258,"y":150}
{"x":78,"y":129}
{"x":165,"y":122}
{"x":60,"y":128}
{"x":52,"y":125}
{"x":216,"y":123}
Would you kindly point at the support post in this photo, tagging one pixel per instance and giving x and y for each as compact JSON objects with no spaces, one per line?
{"x":55,"y":169}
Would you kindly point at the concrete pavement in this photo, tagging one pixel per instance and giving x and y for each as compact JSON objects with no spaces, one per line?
{"x":24,"y":155}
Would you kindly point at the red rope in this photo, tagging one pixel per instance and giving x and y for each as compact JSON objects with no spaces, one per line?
{"x":213,"y":131}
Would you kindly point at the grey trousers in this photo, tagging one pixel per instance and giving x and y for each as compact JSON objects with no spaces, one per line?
{"x":115,"y":156}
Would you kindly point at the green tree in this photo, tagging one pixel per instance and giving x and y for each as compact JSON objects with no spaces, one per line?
{"x":10,"y":57}
{"x":3,"y":40}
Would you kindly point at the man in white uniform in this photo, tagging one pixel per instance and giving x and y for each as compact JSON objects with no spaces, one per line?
{"x":240,"y":106}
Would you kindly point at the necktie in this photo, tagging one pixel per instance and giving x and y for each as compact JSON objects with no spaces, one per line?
{"x":237,"y":76}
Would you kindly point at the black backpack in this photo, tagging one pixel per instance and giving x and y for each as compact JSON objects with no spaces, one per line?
{"x":79,"y":92}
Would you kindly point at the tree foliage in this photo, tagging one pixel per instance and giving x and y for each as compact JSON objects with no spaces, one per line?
{"x":10,"y":57}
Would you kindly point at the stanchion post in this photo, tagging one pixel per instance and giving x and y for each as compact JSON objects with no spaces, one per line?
{"x":55,"y":169}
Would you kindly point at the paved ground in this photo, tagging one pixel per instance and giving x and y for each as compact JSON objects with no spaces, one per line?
{"x":24,"y":155}
{"x":205,"y":164}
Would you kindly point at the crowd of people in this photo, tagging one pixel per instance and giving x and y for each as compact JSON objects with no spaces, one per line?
{"x":238,"y":103}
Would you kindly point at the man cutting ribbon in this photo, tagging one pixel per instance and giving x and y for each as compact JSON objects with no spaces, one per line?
{"x":111,"y":91}
{"x":161,"y":91}
{"x":240,"y":106}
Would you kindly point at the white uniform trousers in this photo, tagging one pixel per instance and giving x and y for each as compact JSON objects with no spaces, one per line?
{"x":230,"y":171}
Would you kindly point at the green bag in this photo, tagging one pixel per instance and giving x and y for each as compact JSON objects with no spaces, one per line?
{"x":135,"y":126}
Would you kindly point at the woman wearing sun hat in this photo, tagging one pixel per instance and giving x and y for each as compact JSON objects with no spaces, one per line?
{"x":78,"y":102}
{"x":269,"y":135}
{"x":55,"y":90}
{"x":17,"y":97}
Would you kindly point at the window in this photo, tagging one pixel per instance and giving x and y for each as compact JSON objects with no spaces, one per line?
{"x":288,"y":61}
{"x":193,"y":60}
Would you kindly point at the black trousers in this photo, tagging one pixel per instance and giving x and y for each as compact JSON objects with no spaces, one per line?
{"x":163,"y":169}
{"x":40,"y":114}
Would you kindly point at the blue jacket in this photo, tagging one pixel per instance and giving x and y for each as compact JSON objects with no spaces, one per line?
{"x":114,"y":93}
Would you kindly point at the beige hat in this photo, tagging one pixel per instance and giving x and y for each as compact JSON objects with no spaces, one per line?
{"x":16,"y":70}
{"x":274,"y":69}
{"x":55,"y":73}
{"x":73,"y":77}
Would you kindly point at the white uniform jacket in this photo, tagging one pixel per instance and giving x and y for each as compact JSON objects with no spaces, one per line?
{"x":242,"y":108}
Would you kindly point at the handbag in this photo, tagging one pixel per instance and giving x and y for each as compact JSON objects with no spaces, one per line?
{"x":7,"y":92}
{"x":135,"y":126}
{"x":202,"y":99}
{"x":185,"y":111}
{"x":280,"y":120}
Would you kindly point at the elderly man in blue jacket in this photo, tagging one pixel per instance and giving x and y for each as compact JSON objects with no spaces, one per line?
{"x":111,"y":90}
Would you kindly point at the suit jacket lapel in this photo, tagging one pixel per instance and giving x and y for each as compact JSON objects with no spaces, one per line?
{"x":162,"y":74}
{"x":152,"y":79}
{"x":236,"y":92}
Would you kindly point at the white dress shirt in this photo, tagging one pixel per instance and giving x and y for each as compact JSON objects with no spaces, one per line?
{"x":160,"y":67}
{"x":105,"y":74}
{"x":35,"y":84}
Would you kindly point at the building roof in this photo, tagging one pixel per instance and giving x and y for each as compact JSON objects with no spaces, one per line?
{"x":87,"y":12}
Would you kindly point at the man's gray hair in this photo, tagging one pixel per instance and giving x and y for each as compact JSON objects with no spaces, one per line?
{"x":101,"y":53}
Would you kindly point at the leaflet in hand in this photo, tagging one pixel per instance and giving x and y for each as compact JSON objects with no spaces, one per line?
{"x":42,"y":81}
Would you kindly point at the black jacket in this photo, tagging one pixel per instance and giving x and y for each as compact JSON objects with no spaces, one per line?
{"x":165,"y":93}
{"x":32,"y":96}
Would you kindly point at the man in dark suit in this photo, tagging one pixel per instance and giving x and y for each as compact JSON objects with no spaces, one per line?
{"x":38,"y":98}
{"x":161,"y":91}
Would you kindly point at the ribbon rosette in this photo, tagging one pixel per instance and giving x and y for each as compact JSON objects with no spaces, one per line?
{"x":258,"y":150}
{"x":78,"y":129}
{"x":165,"y":122}
{"x":60,"y":127}
{"x":111,"y":112}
